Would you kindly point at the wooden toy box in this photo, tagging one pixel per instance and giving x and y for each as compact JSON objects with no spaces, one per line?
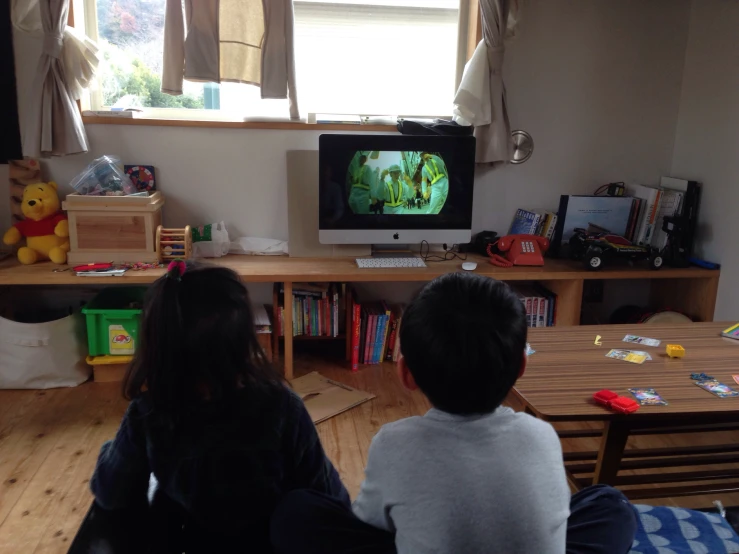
{"x":113,"y":228}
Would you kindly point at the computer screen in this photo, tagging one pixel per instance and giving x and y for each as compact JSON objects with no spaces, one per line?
{"x":379,"y":189}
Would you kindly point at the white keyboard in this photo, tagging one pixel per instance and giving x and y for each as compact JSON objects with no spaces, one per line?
{"x":387,"y":263}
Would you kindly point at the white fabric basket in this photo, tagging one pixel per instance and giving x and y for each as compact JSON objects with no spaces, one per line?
{"x":43,"y":355}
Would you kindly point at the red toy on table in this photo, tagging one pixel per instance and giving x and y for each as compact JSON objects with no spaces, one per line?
{"x":613,"y":401}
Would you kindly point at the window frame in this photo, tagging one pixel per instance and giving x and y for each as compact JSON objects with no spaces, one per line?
{"x":470,"y":33}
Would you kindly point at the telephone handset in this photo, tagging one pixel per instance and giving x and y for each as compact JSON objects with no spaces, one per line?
{"x":518,"y":250}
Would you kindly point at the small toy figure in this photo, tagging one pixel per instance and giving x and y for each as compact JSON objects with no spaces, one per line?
{"x":675,"y":351}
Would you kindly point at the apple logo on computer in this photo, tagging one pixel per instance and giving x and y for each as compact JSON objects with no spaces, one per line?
{"x":396,"y":236}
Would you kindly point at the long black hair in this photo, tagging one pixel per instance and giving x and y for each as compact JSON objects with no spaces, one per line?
{"x":197,"y":341}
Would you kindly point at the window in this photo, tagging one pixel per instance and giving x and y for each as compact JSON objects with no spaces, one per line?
{"x":382,"y":57}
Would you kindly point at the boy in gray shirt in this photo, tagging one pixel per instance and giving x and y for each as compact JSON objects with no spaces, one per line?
{"x":470,"y":476}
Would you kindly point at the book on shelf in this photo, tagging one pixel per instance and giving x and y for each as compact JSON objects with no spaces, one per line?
{"x":542,"y":312}
{"x":534,"y":310}
{"x":539,"y":303}
{"x":550,"y":314}
{"x":369,"y":333}
{"x":371,"y":329}
{"x":634,"y":219}
{"x":524,"y":222}
{"x":356,"y":325}
{"x":673,"y":197}
{"x":648,"y":210}
{"x":596,"y":214}
{"x":317,"y":308}
{"x":396,"y":344}
{"x":374,"y":336}
{"x":533,"y":222}
{"x":362,"y":332}
{"x":670,"y":205}
{"x":380,"y":315}
{"x":392,"y":333}
{"x":385,"y":329}
{"x":550,"y":223}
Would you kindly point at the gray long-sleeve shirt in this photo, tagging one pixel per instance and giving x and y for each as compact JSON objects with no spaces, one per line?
{"x":468,"y":484}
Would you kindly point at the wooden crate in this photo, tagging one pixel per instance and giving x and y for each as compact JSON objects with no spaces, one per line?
{"x":113,"y":228}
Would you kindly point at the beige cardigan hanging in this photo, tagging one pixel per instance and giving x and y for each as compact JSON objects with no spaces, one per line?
{"x":240,"y":41}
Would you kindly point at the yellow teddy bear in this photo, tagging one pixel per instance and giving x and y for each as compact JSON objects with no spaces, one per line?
{"x":46,"y":228}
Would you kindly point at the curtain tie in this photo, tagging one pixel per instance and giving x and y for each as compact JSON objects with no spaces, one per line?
{"x":495,"y":59}
{"x":53,"y":44}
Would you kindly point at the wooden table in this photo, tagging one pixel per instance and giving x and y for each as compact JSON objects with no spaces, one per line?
{"x":691,"y":290}
{"x":568,"y":368}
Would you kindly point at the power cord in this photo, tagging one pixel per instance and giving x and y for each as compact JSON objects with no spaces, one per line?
{"x":449,"y":253}
{"x":611,"y":189}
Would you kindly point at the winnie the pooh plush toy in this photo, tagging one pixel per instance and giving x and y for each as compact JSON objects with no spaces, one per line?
{"x":45,"y":228}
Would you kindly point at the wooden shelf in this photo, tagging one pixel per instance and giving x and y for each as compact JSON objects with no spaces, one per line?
{"x":311,"y":338}
{"x":690,"y":290}
{"x":268,"y":269}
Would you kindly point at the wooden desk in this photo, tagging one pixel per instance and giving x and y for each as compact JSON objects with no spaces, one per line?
{"x":568,"y":368}
{"x":691,"y":290}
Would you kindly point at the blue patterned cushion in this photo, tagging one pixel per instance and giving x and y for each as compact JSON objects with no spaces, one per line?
{"x":664,"y":530}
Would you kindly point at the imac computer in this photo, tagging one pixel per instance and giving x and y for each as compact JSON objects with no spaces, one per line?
{"x":395,"y":189}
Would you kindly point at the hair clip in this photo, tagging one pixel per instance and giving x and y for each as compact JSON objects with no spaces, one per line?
{"x":176,"y":269}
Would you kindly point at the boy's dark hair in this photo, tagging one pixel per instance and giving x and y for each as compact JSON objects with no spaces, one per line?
{"x":463,"y":338}
{"x":197,"y":342}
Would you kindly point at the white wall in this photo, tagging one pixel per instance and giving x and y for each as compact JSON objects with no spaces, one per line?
{"x":596,"y":82}
{"x":707,"y":141}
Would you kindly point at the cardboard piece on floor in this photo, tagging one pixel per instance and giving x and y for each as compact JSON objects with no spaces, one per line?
{"x":325,"y":398}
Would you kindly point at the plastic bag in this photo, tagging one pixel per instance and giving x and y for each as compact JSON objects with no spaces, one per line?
{"x":104,"y":176}
{"x":259,"y":246}
{"x":210,"y":241}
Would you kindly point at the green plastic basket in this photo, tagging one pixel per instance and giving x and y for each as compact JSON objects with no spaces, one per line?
{"x":113,"y":319}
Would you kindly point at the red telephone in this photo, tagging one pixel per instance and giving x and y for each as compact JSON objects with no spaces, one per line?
{"x":519,"y":250}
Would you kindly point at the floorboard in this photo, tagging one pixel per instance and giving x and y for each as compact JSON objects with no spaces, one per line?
{"x":49,"y":441}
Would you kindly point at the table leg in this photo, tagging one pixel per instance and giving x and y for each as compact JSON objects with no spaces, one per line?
{"x":288,"y":319}
{"x":611,"y":451}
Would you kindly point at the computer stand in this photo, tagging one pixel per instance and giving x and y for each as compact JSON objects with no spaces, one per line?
{"x":393,"y":251}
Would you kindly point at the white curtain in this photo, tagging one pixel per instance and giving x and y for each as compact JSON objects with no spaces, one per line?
{"x":481,"y":98}
{"x":52,"y":125}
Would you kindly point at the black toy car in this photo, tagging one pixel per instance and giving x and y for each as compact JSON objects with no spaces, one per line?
{"x":595,"y":249}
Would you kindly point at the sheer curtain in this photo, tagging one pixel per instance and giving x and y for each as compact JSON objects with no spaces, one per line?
{"x":481,"y":98}
{"x":52,"y":125}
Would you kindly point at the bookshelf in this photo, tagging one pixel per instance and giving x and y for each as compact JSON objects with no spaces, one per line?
{"x":689,"y":290}
{"x":282,"y":291}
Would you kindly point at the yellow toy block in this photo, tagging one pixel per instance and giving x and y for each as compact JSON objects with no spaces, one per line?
{"x":675,"y":351}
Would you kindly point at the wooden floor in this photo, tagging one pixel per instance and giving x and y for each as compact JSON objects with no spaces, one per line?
{"x":49,"y":441}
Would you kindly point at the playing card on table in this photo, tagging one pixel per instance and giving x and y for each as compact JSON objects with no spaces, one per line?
{"x":719,"y":389}
{"x":636,"y":339}
{"x":627,"y":356}
{"x":648,"y":397}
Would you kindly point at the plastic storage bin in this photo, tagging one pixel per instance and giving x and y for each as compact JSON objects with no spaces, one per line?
{"x":113,"y":321}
